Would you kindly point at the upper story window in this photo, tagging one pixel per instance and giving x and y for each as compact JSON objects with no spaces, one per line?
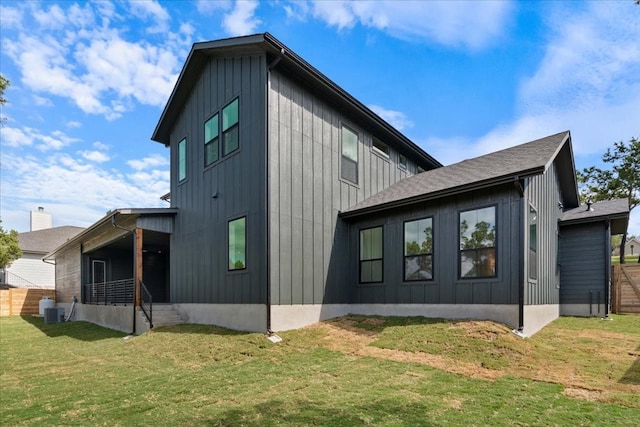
{"x":381,"y":148}
{"x":371,"y":255}
{"x":182,"y":159}
{"x":420,"y":169}
{"x":402,"y":161}
{"x":533,"y":243}
{"x":211,"y":140}
{"x":418,"y":249}
{"x":230,"y":140}
{"x":478,"y":243}
{"x":349,"y":164}
{"x":238,"y":244}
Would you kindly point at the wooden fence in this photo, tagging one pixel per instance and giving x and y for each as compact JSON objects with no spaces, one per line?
{"x":625,"y":289}
{"x":18,"y":301}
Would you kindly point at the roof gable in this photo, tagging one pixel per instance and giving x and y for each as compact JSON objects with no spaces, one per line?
{"x":280,"y":56}
{"x":532,"y":158}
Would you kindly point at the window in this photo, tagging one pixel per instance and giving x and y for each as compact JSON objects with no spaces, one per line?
{"x":418,"y":250}
{"x":381,"y":148}
{"x":402,"y":161}
{"x":478,"y":243}
{"x":238,"y":244}
{"x":420,"y":169}
{"x":230,"y":128}
{"x":533,"y":243}
{"x":182,"y":159}
{"x":211,"y":140}
{"x":349,"y":169}
{"x":371,"y":255}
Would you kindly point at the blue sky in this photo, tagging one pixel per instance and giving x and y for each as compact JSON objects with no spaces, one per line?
{"x":89,"y":81}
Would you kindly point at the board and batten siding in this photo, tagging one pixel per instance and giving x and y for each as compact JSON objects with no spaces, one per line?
{"x":583,"y":250}
{"x":543,"y":193}
{"x":199,"y":254}
{"x":306,"y":192}
{"x":446,"y":287}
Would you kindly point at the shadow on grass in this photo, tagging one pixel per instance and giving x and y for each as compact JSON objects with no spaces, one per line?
{"x":194,"y":328}
{"x":632,"y":376}
{"x":83,"y":331}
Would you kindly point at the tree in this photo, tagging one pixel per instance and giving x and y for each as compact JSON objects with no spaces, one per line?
{"x":4,"y":83}
{"x":621,"y":181}
{"x":9,"y":247}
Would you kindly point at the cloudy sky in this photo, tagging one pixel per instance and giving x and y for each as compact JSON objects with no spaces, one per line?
{"x":89,"y":81}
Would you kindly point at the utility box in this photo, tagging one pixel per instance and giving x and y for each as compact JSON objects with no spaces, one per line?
{"x":54,"y":315}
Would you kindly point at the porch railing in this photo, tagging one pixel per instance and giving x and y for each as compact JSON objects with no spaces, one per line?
{"x":146,"y":303}
{"x":117,"y":292}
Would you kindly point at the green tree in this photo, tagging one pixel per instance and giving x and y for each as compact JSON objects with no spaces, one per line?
{"x":620,"y":181}
{"x":9,"y":247}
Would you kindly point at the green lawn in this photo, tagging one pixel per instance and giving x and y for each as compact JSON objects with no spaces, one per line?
{"x":629,"y":259}
{"x":351,"y":371}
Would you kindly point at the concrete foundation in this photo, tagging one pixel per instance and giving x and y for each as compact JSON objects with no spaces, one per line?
{"x":240,"y":317}
{"x":117,"y":317}
{"x":287,"y":317}
{"x":537,"y":317}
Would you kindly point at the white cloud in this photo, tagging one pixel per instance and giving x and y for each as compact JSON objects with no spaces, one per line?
{"x":152,"y":161}
{"x":10,"y":17}
{"x":207,"y":7}
{"x":397,"y":119}
{"x":153,"y":11}
{"x":42,"y":102}
{"x":92,"y":64}
{"x":464,"y":24}
{"x":52,"y":18}
{"x":73,"y":124}
{"x":14,"y":137}
{"x":241,"y":20}
{"x":95,"y":156}
{"x":26,"y":136}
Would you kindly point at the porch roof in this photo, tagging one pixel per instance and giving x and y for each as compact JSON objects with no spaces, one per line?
{"x":616,"y":211}
{"x":110,"y":217}
{"x":500,"y":167}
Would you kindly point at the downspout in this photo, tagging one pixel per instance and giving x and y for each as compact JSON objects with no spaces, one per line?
{"x":267,"y":213}
{"x":133,"y":233}
{"x":520,"y":189}
{"x":607,"y":267}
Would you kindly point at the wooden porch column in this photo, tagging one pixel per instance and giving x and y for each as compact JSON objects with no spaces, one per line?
{"x":138,"y":266}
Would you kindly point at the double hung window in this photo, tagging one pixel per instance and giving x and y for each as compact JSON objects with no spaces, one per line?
{"x":371,"y":255}
{"x":223,"y":127}
{"x":478,"y":243}
{"x":418,"y":250}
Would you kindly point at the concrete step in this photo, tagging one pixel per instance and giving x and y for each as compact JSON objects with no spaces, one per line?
{"x":163,"y":315}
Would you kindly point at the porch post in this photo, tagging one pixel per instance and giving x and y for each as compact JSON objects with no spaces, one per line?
{"x":138,"y":266}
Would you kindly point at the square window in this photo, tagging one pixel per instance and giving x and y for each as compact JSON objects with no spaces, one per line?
{"x":381,"y":148}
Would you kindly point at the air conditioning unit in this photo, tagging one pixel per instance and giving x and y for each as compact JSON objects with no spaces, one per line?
{"x":54,"y":315}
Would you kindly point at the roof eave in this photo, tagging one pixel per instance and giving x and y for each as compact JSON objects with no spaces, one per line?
{"x":444,"y":193}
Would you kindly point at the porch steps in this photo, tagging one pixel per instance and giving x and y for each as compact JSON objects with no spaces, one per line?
{"x":164,"y":315}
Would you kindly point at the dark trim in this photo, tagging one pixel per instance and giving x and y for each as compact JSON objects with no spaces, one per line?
{"x":440,"y":194}
{"x":431,"y":254}
{"x":495,"y":247}
{"x":360,"y":261}
{"x":607,"y":267}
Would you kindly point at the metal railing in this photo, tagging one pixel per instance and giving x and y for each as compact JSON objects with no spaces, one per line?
{"x":117,"y":292}
{"x":16,"y":281}
{"x":146,"y":303}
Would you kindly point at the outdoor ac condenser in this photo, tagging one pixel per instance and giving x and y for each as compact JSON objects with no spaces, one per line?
{"x":54,"y":315}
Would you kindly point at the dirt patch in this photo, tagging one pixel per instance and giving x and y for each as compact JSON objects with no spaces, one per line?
{"x":584,"y":394}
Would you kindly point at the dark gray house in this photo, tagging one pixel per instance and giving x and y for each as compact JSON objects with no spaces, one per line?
{"x":291,"y":202}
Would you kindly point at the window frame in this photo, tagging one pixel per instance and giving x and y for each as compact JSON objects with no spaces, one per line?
{"x":532,"y":253}
{"x":478,"y":249}
{"x":232,"y":268}
{"x":182,"y":160}
{"x":403,"y":165}
{"x":225,"y":131}
{"x":420,"y":255}
{"x":370,"y":260}
{"x":384,"y":154}
{"x":215,"y":139}
{"x":344,"y":157}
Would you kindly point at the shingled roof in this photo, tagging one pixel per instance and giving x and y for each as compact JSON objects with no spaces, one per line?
{"x":532,"y":158}
{"x":616,"y":211}
{"x":44,"y":241}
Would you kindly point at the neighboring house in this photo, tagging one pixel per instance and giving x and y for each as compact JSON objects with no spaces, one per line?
{"x":632,"y":247}
{"x":292,"y":202}
{"x":29,"y":271}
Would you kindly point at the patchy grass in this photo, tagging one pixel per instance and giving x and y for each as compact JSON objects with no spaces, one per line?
{"x":351,"y":371}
